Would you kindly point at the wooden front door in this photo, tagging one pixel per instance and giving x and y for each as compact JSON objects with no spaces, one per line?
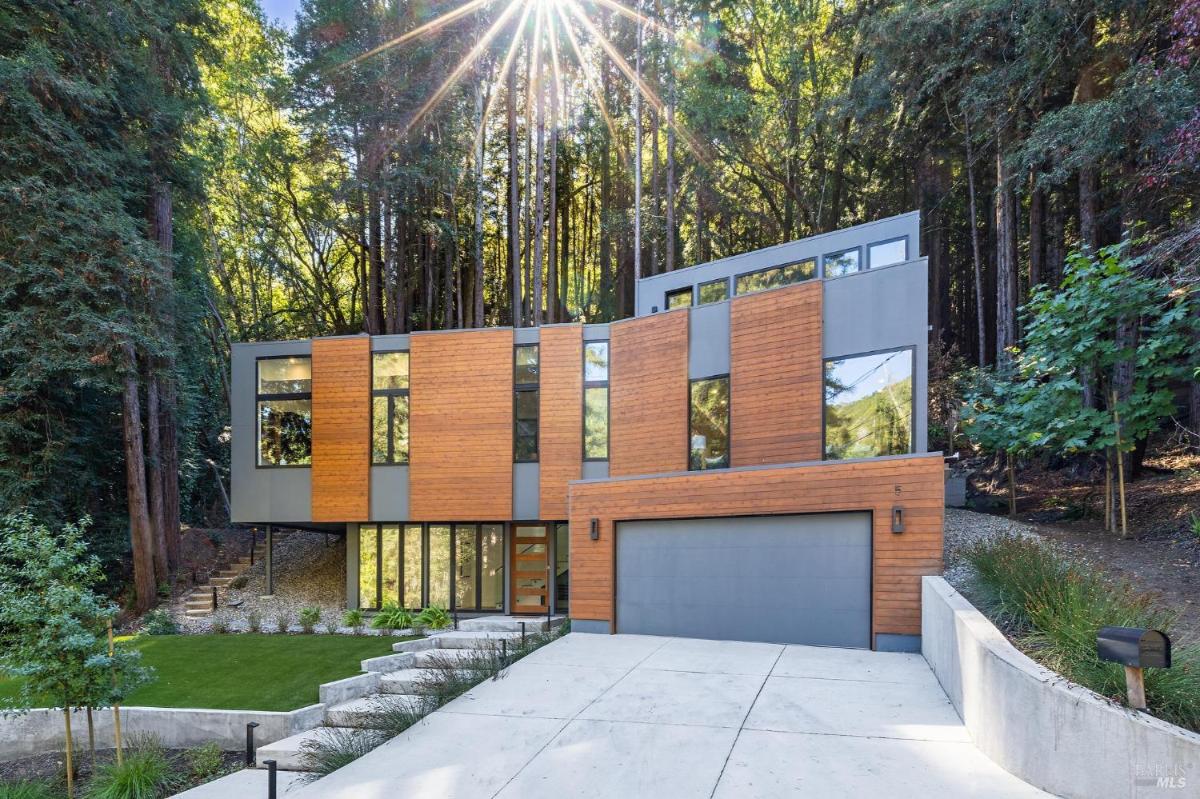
{"x":530,"y":559}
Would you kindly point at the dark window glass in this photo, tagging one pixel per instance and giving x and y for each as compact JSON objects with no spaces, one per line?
{"x":414,"y":563}
{"x":389,"y":564}
{"x":439,"y":565}
{"x":525,"y":371}
{"x":562,"y":567}
{"x":595,"y":423}
{"x":679,"y":298}
{"x":714,"y":291}
{"x":776,"y":276}
{"x":284,"y":411}
{"x":491,"y":566}
{"x":595,"y":362}
{"x":368,"y":566}
{"x":709,"y":430}
{"x":886,"y":253}
{"x":465,"y":566}
{"x":389,"y":407}
{"x":868,"y":405}
{"x":841,"y":263}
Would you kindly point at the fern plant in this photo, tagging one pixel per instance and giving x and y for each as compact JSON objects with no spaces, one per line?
{"x":391,"y":617}
{"x":434,"y":617}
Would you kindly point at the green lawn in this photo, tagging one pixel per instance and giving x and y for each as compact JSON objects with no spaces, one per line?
{"x":243,"y":672}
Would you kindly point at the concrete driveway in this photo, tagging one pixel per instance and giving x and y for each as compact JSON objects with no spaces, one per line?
{"x":628,"y":716}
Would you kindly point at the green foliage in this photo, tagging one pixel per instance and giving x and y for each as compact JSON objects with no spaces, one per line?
{"x":309,"y":617}
{"x":205,"y":762}
{"x":434,"y":618}
{"x":1194,"y":524}
{"x":391,"y":617}
{"x":355,"y":620}
{"x":283,"y":620}
{"x":334,"y":747}
{"x":145,"y":774}
{"x":1105,"y":317}
{"x":28,"y":789}
{"x":52,"y":623}
{"x":159,"y":622}
{"x":1055,"y":607}
{"x":219,"y":624}
{"x":253,"y":621}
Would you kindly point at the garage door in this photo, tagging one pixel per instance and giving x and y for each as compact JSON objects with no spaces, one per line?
{"x":784,"y":579}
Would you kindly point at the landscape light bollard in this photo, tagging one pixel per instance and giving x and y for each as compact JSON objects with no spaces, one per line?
{"x":1136,"y":649}
{"x":253,"y":544}
{"x":504,"y":650}
{"x":214,"y":597}
{"x":522,"y":632}
{"x":250,"y":743}
{"x":270,"y":764}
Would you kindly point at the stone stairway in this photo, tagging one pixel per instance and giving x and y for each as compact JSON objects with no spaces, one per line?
{"x":353,"y":706}
{"x":199,"y":601}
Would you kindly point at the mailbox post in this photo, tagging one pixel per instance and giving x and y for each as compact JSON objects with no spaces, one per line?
{"x":1135,"y":648}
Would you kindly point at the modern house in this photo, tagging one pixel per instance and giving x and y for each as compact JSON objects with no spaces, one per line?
{"x":743,"y":459}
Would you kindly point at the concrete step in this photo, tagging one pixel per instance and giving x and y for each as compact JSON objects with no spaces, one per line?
{"x":508,"y":624}
{"x":365,"y":712}
{"x":468,"y":639}
{"x":197,"y":612}
{"x":415,"y":645}
{"x":220,"y":582}
{"x":288,"y":754}
{"x":249,"y":782}
{"x":404,"y":681}
{"x":438,"y":657}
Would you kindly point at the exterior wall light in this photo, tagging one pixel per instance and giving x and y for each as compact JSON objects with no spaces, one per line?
{"x":595,"y":533}
{"x":897,"y":519}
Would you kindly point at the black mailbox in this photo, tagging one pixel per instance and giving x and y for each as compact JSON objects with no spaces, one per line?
{"x":1134,"y":646}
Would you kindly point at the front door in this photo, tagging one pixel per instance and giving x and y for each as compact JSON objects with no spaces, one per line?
{"x":530,"y":558}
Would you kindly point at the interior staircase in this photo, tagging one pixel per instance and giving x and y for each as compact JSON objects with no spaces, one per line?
{"x":199,"y":601}
{"x":406,"y":681}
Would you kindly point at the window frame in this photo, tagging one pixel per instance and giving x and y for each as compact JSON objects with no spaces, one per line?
{"x":293,"y":396}
{"x":728,"y":426}
{"x":390,"y":393}
{"x":604,"y":384}
{"x":534,"y":388}
{"x":912,"y":428}
{"x":691,"y":292}
{"x":700,"y":290}
{"x":856,"y":249}
{"x":816,"y":266}
{"x":905,"y":259}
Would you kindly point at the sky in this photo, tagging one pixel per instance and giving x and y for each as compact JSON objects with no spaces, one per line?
{"x":280,"y":10}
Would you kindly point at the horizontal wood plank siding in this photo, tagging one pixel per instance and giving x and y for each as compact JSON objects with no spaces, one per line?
{"x":648,"y":395}
{"x":341,"y":429}
{"x":460,"y":426}
{"x":898,"y":561}
{"x":775,"y":376}
{"x":560,"y":445}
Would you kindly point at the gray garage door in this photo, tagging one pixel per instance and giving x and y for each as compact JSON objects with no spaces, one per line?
{"x":784,"y":579}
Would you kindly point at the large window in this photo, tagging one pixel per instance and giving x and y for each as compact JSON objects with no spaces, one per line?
{"x":525,"y":403}
{"x":284,"y":411}
{"x":415,"y":565}
{"x":595,"y":401}
{"x":709,"y":427}
{"x":775,"y":277}
{"x":679,"y":298}
{"x":714,"y":291}
{"x":841,"y":263}
{"x":389,"y":407}
{"x":869,"y":404}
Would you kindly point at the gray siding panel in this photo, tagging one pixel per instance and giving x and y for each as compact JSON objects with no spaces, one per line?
{"x":708,"y":340}
{"x":782,"y":579}
{"x":526,"y":491}
{"x":389,"y":493}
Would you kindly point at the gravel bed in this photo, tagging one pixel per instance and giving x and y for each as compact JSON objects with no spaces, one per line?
{"x":309,"y":572}
{"x":963,"y":529}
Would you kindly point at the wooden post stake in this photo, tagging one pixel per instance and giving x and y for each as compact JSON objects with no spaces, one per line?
{"x":1120,"y":468}
{"x":70,"y":764}
{"x":116,"y":705}
{"x":1136,"y":684}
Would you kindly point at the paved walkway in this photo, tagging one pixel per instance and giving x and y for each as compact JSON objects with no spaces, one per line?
{"x":641,"y":716}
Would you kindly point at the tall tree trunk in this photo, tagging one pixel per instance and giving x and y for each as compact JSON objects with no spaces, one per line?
{"x":540,"y":202}
{"x":606,"y":292}
{"x":514,"y":237}
{"x":552,"y":249}
{"x":669,"y":256}
{"x":374,"y":260}
{"x":154,"y":482}
{"x":477,"y":229}
{"x":166,"y":476}
{"x":1055,"y":252}
{"x":1006,"y":258}
{"x":637,"y":154}
{"x":140,"y":535}
{"x":977,"y":259}
{"x":1037,"y":235}
{"x":656,"y":188}
{"x":1194,"y":392}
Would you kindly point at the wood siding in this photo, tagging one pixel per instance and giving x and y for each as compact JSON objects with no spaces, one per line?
{"x":775,"y":376}
{"x":460,"y":425}
{"x":648,"y":395}
{"x":341,"y":429}
{"x":560,"y":442}
{"x":898,"y":560}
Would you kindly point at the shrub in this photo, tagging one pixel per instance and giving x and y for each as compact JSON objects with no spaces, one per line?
{"x":159,"y":622}
{"x":145,"y":774}
{"x":309,"y":618}
{"x":219,"y":624}
{"x":392,"y":714}
{"x":355,"y":620}
{"x":239,"y":582}
{"x":391,"y":617}
{"x":434,"y":618}
{"x":331,"y":626}
{"x":28,"y":789}
{"x":1054,"y":609}
{"x":283,"y":621}
{"x":205,"y":762}
{"x":253,"y":621}
{"x":334,"y":747}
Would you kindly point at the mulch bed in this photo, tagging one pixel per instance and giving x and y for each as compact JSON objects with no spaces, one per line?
{"x":50,"y":766}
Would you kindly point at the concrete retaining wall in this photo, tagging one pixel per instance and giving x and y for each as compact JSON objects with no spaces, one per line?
{"x":42,"y":730}
{"x":1051,"y":733}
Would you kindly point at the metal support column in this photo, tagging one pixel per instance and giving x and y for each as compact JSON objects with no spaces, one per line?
{"x":270,"y":565}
